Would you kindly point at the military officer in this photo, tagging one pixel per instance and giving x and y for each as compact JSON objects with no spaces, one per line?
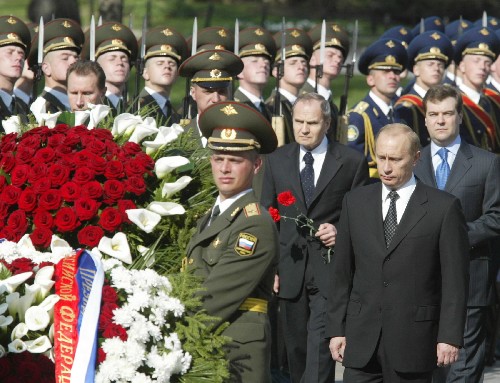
{"x":382,"y":62}
{"x":14,"y":44}
{"x":62,"y":43}
{"x":492,"y":89}
{"x":115,"y":52}
{"x":257,"y":51}
{"x":475,"y":52}
{"x":335,"y":53}
{"x":23,"y":89}
{"x":211,"y":73}
{"x":166,"y":49}
{"x":428,"y":56}
{"x":235,"y":246}
{"x":298,"y":49}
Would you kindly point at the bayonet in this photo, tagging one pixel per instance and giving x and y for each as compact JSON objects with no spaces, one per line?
{"x":130,"y":21}
{"x":422,"y":25}
{"x":194,"y":37}
{"x":319,"y":67}
{"x":485,"y":19}
{"x":38,"y":66}
{"x":99,"y":22}
{"x":187,"y":96}
{"x":92,"y":39}
{"x":140,"y":62}
{"x":236,"y":37}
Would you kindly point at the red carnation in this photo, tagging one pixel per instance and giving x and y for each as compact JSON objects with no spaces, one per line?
{"x":90,"y":236}
{"x":101,"y":355}
{"x":109,"y":294}
{"x":286,"y":198}
{"x":66,"y":220}
{"x":275,"y":214}
{"x":111,"y":219}
{"x":115,"y":330}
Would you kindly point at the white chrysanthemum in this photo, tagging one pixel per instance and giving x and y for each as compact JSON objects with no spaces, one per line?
{"x":113,"y":347}
{"x":139,"y":300}
{"x":135,"y":352}
{"x":124,"y":315}
{"x":121,"y":278}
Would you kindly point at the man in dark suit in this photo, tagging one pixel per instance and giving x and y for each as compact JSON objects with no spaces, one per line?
{"x":398,"y":288}
{"x":318,"y":187}
{"x":235,"y":246}
{"x":472,"y":175}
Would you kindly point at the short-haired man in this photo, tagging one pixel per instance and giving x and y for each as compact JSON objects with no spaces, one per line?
{"x":472,"y":175}
{"x":318,"y":172}
{"x":398,"y":288}
{"x":428,"y":56}
{"x":235,"y":247}
{"x":382,"y":63}
{"x":86,"y":84}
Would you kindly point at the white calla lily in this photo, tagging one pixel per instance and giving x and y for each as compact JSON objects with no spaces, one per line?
{"x":165,"y":165}
{"x":51,"y":332}
{"x":143,"y":130}
{"x":144,"y":251}
{"x":46,"y":272}
{"x":25,"y":244}
{"x":13,"y":301}
{"x":59,"y":247}
{"x":49,"y":302}
{"x":26,"y":301}
{"x":2,"y":351}
{"x":41,"y":116}
{"x":37,"y":318}
{"x":81,"y":116}
{"x":116,"y":247}
{"x":5,"y":321}
{"x":13,"y":282}
{"x":170,"y":188}
{"x":97,"y":114}
{"x":125,"y":123}
{"x":145,"y":219}
{"x":166,"y":208}
{"x":17,"y":346}
{"x":39,"y":345}
{"x":18,"y":332}
{"x":3,"y":308}
{"x":165,"y":135}
{"x":12,"y":124}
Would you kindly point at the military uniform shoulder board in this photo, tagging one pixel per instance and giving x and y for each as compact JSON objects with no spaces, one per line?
{"x":360,"y":107}
{"x":245,"y":244}
{"x":252,"y":209}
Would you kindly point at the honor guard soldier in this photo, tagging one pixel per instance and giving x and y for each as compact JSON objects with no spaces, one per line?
{"x":298,"y":49}
{"x":62,"y":43}
{"x":166,"y":49}
{"x":210,"y":38}
{"x":431,"y":23}
{"x":235,"y":246}
{"x":257,"y":50}
{"x":23,"y":89}
{"x":475,"y":52}
{"x":115,"y":52}
{"x":14,"y":45}
{"x":211,"y":73}
{"x":492,"y":89}
{"x":336,"y":51}
{"x":382,"y":62}
{"x":428,"y":56}
{"x":454,"y":30}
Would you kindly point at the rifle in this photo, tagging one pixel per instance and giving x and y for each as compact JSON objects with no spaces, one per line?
{"x":140,"y":64}
{"x":349,"y":70}
{"x":187,"y":97}
{"x":278,"y":121}
{"x":37,"y":68}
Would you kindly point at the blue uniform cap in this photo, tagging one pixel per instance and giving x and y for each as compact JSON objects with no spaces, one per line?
{"x":384,"y":54}
{"x":431,"y":23}
{"x":399,"y":32}
{"x":457,"y":28}
{"x":477,"y":41}
{"x":431,"y":45}
{"x":492,"y":22}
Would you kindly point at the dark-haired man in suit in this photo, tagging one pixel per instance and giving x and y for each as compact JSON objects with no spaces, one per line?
{"x":472,"y":175}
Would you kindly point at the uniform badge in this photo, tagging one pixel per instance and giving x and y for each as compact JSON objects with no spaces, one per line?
{"x":167,"y":32}
{"x":229,"y":110}
{"x":216,"y":242}
{"x":252,"y":209}
{"x":295,"y":33}
{"x":352,"y":133}
{"x":245,"y":245}
{"x":235,"y":211}
{"x":259,"y":32}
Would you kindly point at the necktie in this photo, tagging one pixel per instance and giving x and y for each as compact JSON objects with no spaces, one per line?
{"x":391,"y":219}
{"x":443,"y":169}
{"x":260,"y":106}
{"x":12,"y":105}
{"x":167,"y":108}
{"x":483,"y":103}
{"x":390,"y":115}
{"x":307,"y":178}
{"x":215,"y":214}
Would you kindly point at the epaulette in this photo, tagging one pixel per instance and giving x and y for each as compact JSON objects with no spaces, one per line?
{"x":360,"y":107}
{"x":252,"y":209}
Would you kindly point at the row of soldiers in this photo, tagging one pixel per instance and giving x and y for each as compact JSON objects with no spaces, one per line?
{"x":466,"y":52}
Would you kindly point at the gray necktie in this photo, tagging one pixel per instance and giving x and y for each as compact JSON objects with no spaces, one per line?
{"x":307,"y":178}
{"x":391,"y":219}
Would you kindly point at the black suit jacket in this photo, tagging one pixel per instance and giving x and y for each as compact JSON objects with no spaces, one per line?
{"x":146,"y":100}
{"x":414,"y":292}
{"x":343,"y":170}
{"x":475,"y":180}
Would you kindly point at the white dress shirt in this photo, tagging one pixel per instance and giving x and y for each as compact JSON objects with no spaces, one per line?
{"x":318,"y":153}
{"x":404,"y":193}
{"x":452,"y":153}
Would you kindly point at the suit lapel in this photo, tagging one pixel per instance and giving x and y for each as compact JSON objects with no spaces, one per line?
{"x":461,"y":165}
{"x":376,"y":219}
{"x":292,"y":165}
{"x":331,"y":165}
{"x":426,"y":174}
{"x":414,"y":212}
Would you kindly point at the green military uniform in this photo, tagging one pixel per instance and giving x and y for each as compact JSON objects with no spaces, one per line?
{"x":237,"y":252}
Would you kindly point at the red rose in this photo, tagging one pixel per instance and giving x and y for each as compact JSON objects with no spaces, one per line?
{"x":146,"y":160}
{"x":32,"y":141}
{"x":112,"y":150}
{"x":98,"y":165}
{"x":8,"y":234}
{"x":286,"y":198}
{"x":135,"y":167}
{"x":111,"y":219}
{"x":82,"y":158}
{"x":101,"y":355}
{"x":24,"y":154}
{"x":66,"y":220}
{"x":136,"y":185}
{"x":86,"y":208}
{"x":41,"y":185}
{"x":70,"y":191}
{"x":8,"y":143}
{"x":92,"y":189}
{"x":21,"y":265}
{"x":113,"y":191}
{"x":42,"y":218}
{"x":275,"y":214}
{"x":4,"y":208}
{"x":50,"y":200}
{"x":102,"y":134}
{"x":83,"y":175}
{"x":18,"y":222}
{"x":58,"y":174}
{"x":55,"y":140}
{"x":10,"y":194}
{"x":90,"y":236}
{"x":71,"y":140}
{"x":123,"y":206}
{"x":115,"y":330}
{"x":63,"y":150}
{"x":130,"y":149}
{"x":109,"y":294}
{"x":106,"y":315}
{"x":37,"y":172}
{"x":41,"y":236}
{"x":19,"y":174}
{"x":114,"y":170}
{"x":44,"y":155}
{"x":95,"y":146}
{"x":7,"y":162}
{"x":27,"y":200}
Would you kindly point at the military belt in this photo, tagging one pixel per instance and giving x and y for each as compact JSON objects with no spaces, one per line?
{"x":254,"y":304}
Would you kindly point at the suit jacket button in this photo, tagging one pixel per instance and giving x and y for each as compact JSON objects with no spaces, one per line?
{"x":386,"y":284}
